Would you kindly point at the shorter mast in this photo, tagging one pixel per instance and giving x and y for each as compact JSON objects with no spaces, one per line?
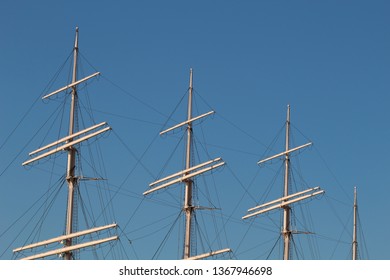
{"x":354,"y":241}
{"x":186,"y":176}
{"x":287,"y":199}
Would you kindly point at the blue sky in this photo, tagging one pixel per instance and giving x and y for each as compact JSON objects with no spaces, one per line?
{"x":328,"y":59}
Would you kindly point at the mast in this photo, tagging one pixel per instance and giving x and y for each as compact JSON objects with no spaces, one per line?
{"x":286,"y":209}
{"x":68,"y":143}
{"x":186,"y":176}
{"x":71,"y":166}
{"x":354,"y":241}
{"x":188,"y":208}
{"x":287,"y":199}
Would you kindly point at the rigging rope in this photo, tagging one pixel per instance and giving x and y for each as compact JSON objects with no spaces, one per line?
{"x":28,"y":210}
{"x":27,"y":143}
{"x":32,"y":105}
{"x":163,"y":242}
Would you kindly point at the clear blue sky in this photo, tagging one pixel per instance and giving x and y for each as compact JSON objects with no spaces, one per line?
{"x":329,"y":60}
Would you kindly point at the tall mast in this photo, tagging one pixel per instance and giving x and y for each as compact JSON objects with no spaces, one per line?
{"x":286,"y":209}
{"x":354,"y":242}
{"x":70,"y":174}
{"x":188,"y":207}
{"x":68,"y":143}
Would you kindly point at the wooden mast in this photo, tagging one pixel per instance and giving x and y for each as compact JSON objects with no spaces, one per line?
{"x":188,"y":207}
{"x":287,"y":199}
{"x":68,"y":143}
{"x":71,"y":166}
{"x":286,"y":209}
{"x":186,"y":176}
{"x":354,"y":241}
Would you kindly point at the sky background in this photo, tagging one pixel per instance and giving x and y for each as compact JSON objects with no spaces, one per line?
{"x":328,"y":59}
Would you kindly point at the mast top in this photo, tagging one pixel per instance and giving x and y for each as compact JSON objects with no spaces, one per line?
{"x":191,"y":74}
{"x":76,"y":42}
{"x":355,"y":196}
{"x":288,"y":113}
